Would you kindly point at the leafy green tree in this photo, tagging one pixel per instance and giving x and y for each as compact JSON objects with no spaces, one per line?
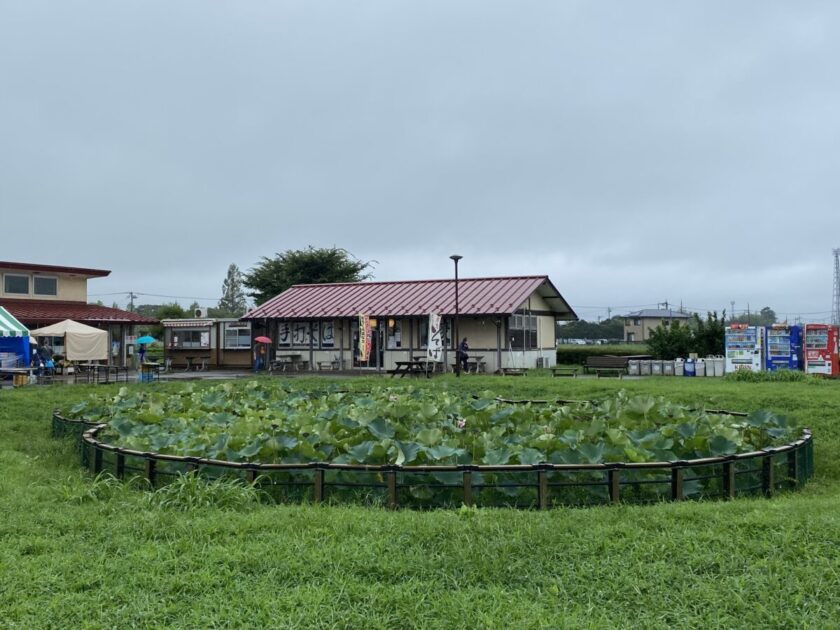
{"x":671,"y":341}
{"x":162,"y":311}
{"x":272,"y":276}
{"x":612,"y":328}
{"x":233,"y":302}
{"x":765,"y":317}
{"x":709,"y":334}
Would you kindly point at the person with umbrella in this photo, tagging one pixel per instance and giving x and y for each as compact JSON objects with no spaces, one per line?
{"x":259,"y":353}
{"x":142,"y":342}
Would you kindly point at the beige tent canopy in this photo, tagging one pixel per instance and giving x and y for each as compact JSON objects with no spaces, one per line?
{"x":81,"y":342}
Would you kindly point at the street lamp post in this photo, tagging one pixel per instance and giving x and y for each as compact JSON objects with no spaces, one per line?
{"x":456,"y":258}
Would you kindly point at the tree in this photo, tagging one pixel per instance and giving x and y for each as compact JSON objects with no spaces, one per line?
{"x":272,"y":276}
{"x":233,"y":303}
{"x":765,"y":317}
{"x":164,"y":311}
{"x":608,"y":329}
{"x":679,"y":340}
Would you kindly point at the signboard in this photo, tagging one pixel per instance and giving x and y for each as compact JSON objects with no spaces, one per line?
{"x":364,"y":337}
{"x":434,"y":351}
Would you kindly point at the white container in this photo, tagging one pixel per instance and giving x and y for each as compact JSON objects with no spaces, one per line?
{"x":720,"y":366}
{"x":656,"y":368}
{"x":679,"y":367}
{"x":644,"y":368}
{"x":700,"y":367}
{"x":633,"y":367}
{"x":667,"y":368}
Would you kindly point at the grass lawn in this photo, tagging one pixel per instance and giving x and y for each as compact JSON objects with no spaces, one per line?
{"x":78,"y":554}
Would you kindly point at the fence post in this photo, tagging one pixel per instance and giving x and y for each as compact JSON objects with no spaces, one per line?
{"x":793,"y":467}
{"x":468,"y":498}
{"x":391,"y":480}
{"x":614,"y":484}
{"x":767,"y":475}
{"x":677,"y":484}
{"x":151,"y":471}
{"x":97,"y":460}
{"x":542,"y":489}
{"x":250,"y":476}
{"x":318,"y":490}
{"x":729,"y":480}
{"x":119,"y":466}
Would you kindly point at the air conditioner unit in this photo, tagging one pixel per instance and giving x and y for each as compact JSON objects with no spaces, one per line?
{"x":200,"y":313}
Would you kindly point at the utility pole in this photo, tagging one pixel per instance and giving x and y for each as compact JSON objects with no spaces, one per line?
{"x":131,"y":296}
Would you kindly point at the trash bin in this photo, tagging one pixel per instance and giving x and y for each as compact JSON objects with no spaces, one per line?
{"x":633,"y":367}
{"x":718,"y":364}
{"x":679,"y":367}
{"x":656,"y":368}
{"x":667,"y":368}
{"x":644,"y":367}
{"x":689,"y":368}
{"x":700,"y":367}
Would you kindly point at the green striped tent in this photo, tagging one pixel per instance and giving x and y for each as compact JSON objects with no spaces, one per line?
{"x":11,"y":327}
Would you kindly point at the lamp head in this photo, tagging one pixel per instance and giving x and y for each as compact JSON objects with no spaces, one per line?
{"x":456,"y":257}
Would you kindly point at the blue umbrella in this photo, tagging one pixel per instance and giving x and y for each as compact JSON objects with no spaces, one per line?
{"x":145,"y":339}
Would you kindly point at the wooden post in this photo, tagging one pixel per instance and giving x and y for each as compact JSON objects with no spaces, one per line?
{"x":119,"y":466}
{"x":767,"y":475}
{"x":613,"y":480}
{"x":97,"y":460}
{"x":151,"y":471}
{"x":468,"y":498}
{"x":677,"y":484}
{"x":318,"y":490}
{"x":542,"y":489}
{"x":729,"y":480}
{"x":250,"y":476}
{"x":793,"y":468}
{"x":391,"y":480}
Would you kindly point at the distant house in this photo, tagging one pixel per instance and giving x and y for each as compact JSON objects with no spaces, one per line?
{"x":638,"y":325}
{"x":40,"y":295}
{"x":509,"y":321}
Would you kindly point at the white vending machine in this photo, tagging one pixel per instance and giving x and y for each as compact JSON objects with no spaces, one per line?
{"x":744,"y":348}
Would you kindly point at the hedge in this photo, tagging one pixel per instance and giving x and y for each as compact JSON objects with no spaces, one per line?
{"x":576,"y":355}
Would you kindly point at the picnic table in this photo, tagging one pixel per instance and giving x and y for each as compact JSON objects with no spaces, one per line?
{"x":282,"y":362}
{"x":197,"y":363}
{"x":412,"y":368}
{"x":475,"y":363}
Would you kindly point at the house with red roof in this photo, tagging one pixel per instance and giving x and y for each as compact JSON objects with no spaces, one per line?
{"x":40,"y":295}
{"x":509,"y":321}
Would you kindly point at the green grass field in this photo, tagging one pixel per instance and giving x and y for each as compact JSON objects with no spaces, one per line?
{"x":74,"y":553}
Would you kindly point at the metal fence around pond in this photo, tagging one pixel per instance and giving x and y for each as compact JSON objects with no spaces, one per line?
{"x":540,"y":486}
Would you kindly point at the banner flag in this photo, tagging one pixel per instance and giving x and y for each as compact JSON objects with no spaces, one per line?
{"x":434,"y":349}
{"x":364,"y":337}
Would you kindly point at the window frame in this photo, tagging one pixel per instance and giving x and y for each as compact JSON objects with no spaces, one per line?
{"x":8,"y":276}
{"x":35,"y":285}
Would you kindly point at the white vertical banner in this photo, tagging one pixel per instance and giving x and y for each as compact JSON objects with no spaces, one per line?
{"x":434,"y":349}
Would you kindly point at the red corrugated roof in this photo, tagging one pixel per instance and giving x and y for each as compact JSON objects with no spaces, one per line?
{"x":476,"y":296}
{"x":79,"y":271}
{"x":39,"y":312}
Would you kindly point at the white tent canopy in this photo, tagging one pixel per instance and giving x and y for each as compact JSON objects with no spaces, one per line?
{"x":81,"y":342}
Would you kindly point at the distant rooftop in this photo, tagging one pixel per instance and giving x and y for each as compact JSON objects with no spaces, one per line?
{"x":36,"y":268}
{"x":663,"y":313}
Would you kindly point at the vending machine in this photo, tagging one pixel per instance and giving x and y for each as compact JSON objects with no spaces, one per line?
{"x":784,"y":348}
{"x":744,"y":348}
{"x":821,"y":349}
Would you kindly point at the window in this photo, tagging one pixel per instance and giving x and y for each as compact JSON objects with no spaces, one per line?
{"x":394,"y":335}
{"x":45,"y":286}
{"x":193,"y":338}
{"x":237,"y":336}
{"x":423,"y":332}
{"x":637,"y":322}
{"x":327,"y":334}
{"x":16,"y":284}
{"x":522,"y":331}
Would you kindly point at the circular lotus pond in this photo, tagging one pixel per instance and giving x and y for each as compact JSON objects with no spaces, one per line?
{"x":425,"y":446}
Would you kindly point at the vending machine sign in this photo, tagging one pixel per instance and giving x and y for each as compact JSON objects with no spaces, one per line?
{"x":744,"y":348}
{"x":821,"y":356}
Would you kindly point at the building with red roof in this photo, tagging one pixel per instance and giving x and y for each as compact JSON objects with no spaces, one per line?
{"x":40,"y":295}
{"x":508,"y":321}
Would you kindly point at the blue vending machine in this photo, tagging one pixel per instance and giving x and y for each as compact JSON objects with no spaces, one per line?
{"x":784,"y":347}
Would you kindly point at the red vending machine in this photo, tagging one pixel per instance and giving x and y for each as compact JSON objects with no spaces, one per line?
{"x":821,"y":355}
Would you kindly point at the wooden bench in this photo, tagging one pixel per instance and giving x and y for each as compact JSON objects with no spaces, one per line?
{"x":619,"y":372}
{"x":512,"y":371}
{"x":606,"y":365}
{"x":565,"y":370}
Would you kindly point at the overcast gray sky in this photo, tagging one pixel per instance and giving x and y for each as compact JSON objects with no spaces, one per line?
{"x":635,"y":152}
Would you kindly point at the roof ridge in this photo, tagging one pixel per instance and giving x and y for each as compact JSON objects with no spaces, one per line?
{"x":375,"y":282}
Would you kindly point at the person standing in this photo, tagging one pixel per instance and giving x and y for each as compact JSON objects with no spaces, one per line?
{"x":259,"y":357}
{"x":141,"y":353}
{"x":462,"y":354}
